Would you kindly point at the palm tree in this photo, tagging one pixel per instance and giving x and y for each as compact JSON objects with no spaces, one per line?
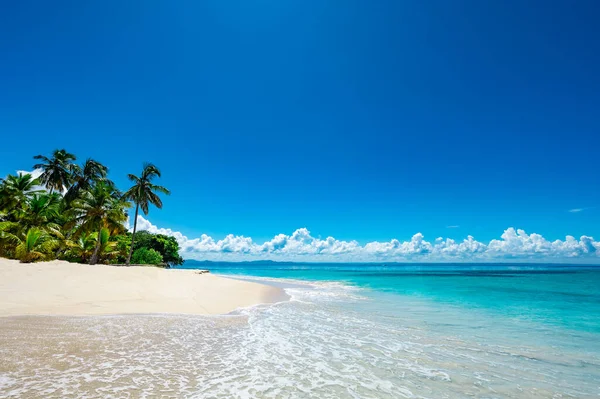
{"x":7,"y":241}
{"x":84,"y":247}
{"x":85,"y":177}
{"x":143,"y":193}
{"x":34,"y":245}
{"x":100,"y":207}
{"x":16,"y":190}
{"x":108,"y":248}
{"x":57,"y":170}
{"x":41,"y":210}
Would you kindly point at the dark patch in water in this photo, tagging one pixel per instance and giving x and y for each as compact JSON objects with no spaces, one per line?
{"x":475,"y":273}
{"x":541,"y":291}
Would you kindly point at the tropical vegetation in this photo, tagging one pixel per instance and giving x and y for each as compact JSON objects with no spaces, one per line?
{"x":76,"y":213}
{"x":147,"y":256}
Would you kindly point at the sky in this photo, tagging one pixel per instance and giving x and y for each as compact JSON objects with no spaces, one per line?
{"x":365,"y":121}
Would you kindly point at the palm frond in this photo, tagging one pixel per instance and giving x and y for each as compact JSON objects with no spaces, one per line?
{"x":160,"y":189}
{"x":154,"y":200}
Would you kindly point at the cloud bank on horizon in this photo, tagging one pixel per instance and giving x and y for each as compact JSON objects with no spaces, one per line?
{"x":513,"y":244}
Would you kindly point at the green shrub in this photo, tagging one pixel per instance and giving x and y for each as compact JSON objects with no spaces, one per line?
{"x":167,"y":246}
{"x":145,"y":256}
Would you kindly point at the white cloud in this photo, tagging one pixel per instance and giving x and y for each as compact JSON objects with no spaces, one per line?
{"x":34,"y":173}
{"x":302,"y":243}
{"x":416,"y":246}
{"x":513,"y":244}
{"x":577,"y":210}
{"x":453,"y":226}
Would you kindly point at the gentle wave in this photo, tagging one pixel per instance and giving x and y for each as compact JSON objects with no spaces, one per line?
{"x":332,"y":340}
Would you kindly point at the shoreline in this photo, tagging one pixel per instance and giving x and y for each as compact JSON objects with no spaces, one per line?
{"x":60,"y":288}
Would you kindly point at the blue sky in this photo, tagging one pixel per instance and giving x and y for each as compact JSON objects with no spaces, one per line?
{"x":361,"y":120}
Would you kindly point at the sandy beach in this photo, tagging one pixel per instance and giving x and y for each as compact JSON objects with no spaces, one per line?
{"x":63,"y":288}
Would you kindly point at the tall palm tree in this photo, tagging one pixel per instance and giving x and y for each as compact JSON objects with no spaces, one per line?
{"x":57,"y":170}
{"x":100,"y":207}
{"x":143,"y":193}
{"x":85,"y":177}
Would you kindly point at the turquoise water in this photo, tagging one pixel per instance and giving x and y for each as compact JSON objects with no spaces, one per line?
{"x":432,"y":330}
{"x":566,"y":296}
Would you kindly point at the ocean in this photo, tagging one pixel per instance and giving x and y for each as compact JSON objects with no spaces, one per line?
{"x":430,"y":331}
{"x":349,"y":331}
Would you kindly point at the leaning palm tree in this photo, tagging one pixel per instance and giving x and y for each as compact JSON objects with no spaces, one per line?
{"x":57,"y":170}
{"x":100,"y":207}
{"x":143,"y":193}
{"x":85,"y":177}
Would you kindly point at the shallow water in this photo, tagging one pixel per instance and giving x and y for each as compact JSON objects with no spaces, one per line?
{"x":383,"y":332}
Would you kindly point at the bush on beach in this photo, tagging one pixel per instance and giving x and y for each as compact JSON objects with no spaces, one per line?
{"x":146,"y":256}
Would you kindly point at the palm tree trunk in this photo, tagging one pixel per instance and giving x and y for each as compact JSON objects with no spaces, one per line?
{"x":96,"y":254}
{"x":137,"y":208}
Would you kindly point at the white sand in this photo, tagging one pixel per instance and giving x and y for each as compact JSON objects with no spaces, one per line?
{"x":63,"y":288}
